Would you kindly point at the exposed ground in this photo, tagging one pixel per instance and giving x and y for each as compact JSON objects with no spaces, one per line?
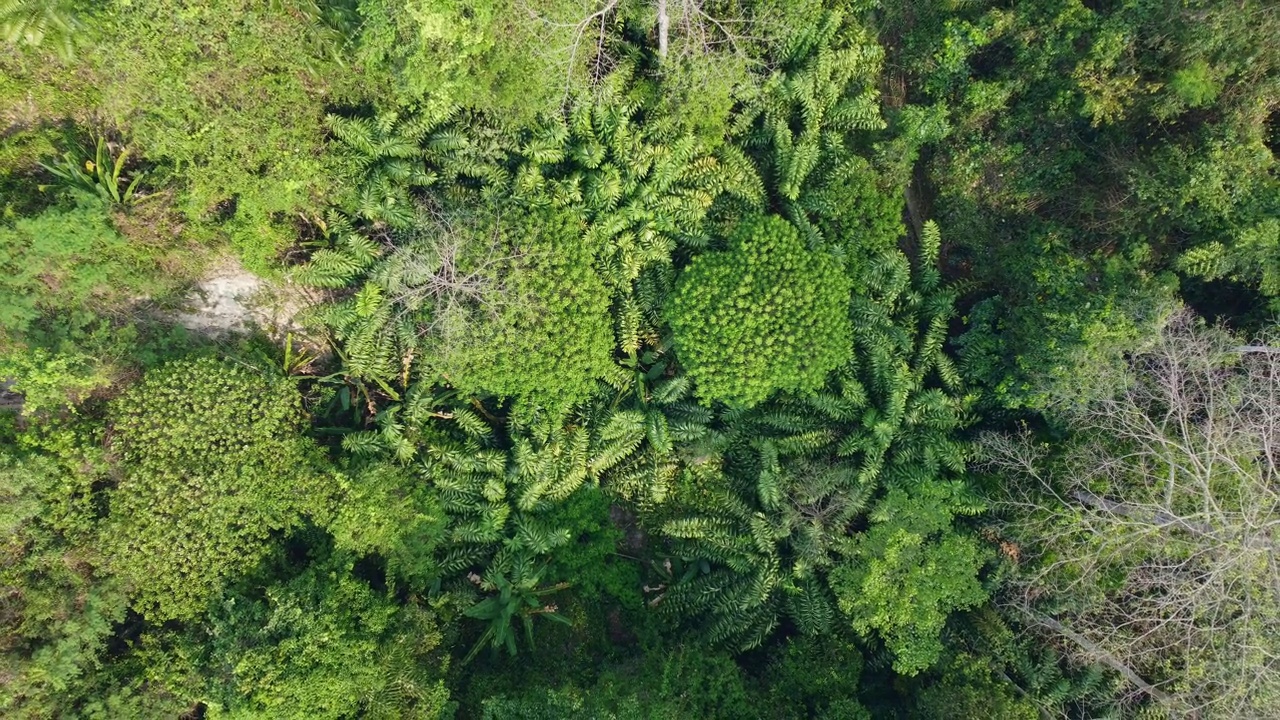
{"x":229,"y":299}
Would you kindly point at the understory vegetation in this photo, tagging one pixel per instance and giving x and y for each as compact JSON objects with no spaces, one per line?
{"x":646,"y":359}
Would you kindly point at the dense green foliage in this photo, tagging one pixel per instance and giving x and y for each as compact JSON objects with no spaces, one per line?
{"x":552,"y":328}
{"x":322,"y":645}
{"x":210,"y":465}
{"x":64,"y":262}
{"x":59,"y":607}
{"x":765,"y":315}
{"x":910,"y":554}
{"x":639,"y":359}
{"x":1094,"y":147}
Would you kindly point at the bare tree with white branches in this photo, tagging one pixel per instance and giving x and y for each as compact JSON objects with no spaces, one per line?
{"x":449,"y":274}
{"x":1151,"y":544}
{"x":578,"y":36}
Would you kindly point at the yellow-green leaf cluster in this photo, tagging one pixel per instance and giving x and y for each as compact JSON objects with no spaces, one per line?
{"x":768,"y":314}
{"x":211,"y":464}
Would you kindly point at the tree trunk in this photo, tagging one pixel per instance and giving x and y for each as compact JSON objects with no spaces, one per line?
{"x":1107,"y":659}
{"x":1161,"y":518}
{"x":664,"y":28}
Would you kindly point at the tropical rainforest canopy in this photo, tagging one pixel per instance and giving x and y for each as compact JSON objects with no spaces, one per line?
{"x":639,"y":359}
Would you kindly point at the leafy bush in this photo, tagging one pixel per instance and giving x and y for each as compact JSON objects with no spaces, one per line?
{"x":382,"y":510}
{"x":211,"y":464}
{"x":493,"y":55}
{"x":230,"y":96}
{"x":1061,"y":331}
{"x":766,"y":315}
{"x":590,"y":559}
{"x":59,"y":609}
{"x":49,"y":382}
{"x":323,"y":645}
{"x":549,"y":337}
{"x":910,"y":570}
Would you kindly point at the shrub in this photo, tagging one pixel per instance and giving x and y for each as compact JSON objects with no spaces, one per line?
{"x":910,"y":570}
{"x":48,"y":381}
{"x":324,"y":645}
{"x":211,"y":464}
{"x":232,"y":97}
{"x":548,"y":335}
{"x":59,"y":611}
{"x":765,"y":315}
{"x":385,"y":511}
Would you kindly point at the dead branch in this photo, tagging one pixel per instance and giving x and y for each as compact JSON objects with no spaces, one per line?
{"x":1154,"y":532}
{"x":1098,"y":653}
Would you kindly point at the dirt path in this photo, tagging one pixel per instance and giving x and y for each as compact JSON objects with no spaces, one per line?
{"x":229,"y":299}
